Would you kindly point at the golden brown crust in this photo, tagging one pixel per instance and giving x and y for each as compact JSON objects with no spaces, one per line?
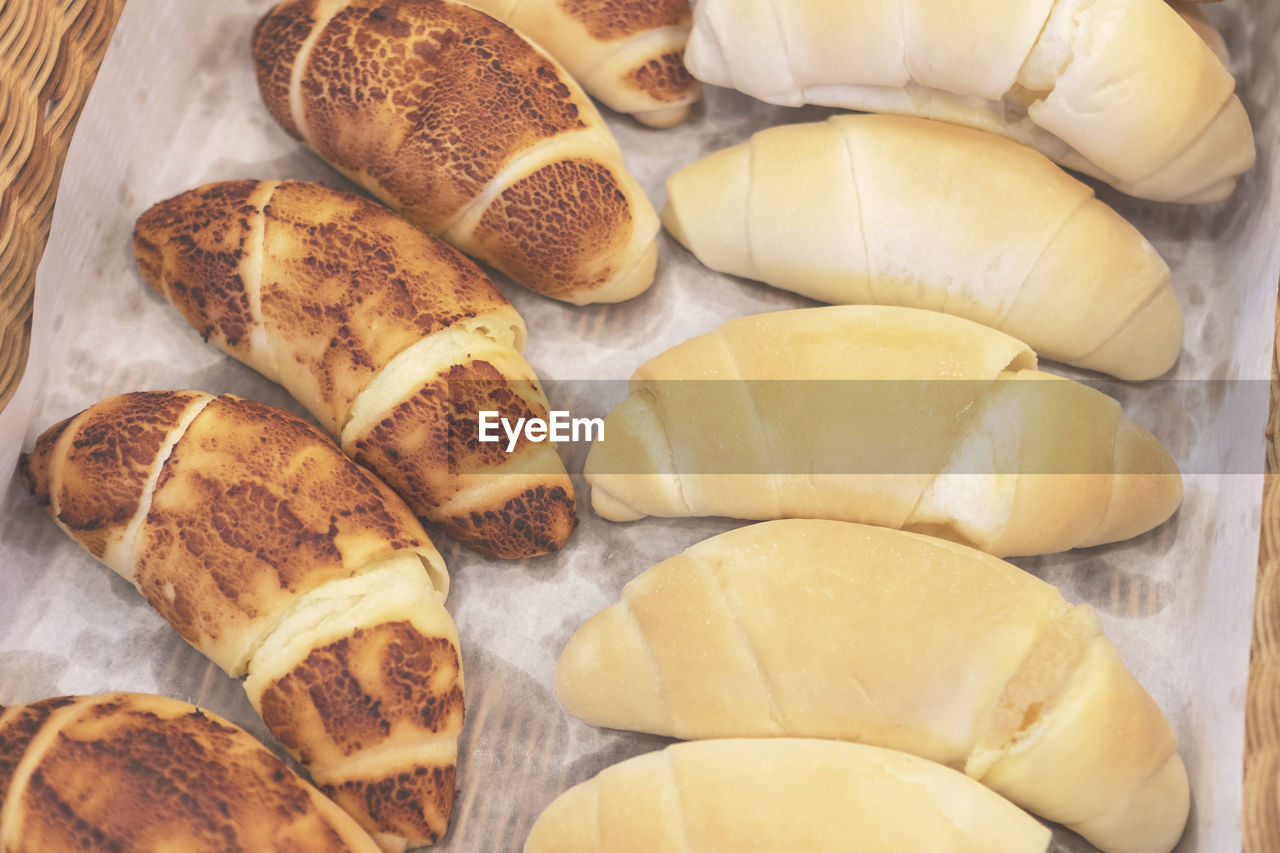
{"x":35,"y":466}
{"x":413,"y":803}
{"x":133,"y":772}
{"x":362,"y":689}
{"x":277,"y":38}
{"x":16,"y":733}
{"x":431,"y":99}
{"x":190,"y":248}
{"x":347,"y":285}
{"x":427,"y":443}
{"x":234,"y":533}
{"x":433,"y":436}
{"x":609,"y":20}
{"x":108,"y":462}
{"x":536,"y":521}
{"x":663,"y":78}
{"x":556,"y":229}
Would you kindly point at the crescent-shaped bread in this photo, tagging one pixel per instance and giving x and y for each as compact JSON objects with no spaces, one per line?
{"x":804,"y":628}
{"x":897,"y":417}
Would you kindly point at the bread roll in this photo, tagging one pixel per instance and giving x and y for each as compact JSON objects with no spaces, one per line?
{"x":910,"y":419}
{"x":1123,"y":90}
{"x":390,"y":338}
{"x":780,"y":796}
{"x":272,"y":553}
{"x":131,"y":771}
{"x":902,"y":211}
{"x":803,"y":628}
{"x":630,"y":56}
{"x":467,"y":129}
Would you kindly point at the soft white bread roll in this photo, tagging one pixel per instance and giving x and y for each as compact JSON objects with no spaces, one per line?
{"x":781,"y":796}
{"x":897,"y":417}
{"x":630,"y":56}
{"x":1123,"y":90}
{"x":1192,"y":11}
{"x":802,"y":628}
{"x":470,"y":131}
{"x":136,"y":772}
{"x":272,"y":553}
{"x":904,"y":211}
{"x":390,"y":337}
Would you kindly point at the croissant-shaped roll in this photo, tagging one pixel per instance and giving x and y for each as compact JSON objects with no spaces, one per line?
{"x":272,"y":553}
{"x":392,"y":339}
{"x":469,"y":130}
{"x":136,"y":772}
{"x":908,"y":419}
{"x":630,"y":55}
{"x":1123,"y":90}
{"x":903,"y":211}
{"x":780,"y":796}
{"x":804,"y":628}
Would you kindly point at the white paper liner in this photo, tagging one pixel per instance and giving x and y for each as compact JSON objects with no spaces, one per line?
{"x":175,"y":105}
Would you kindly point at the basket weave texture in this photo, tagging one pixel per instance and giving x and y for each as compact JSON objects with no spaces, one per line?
{"x":49,"y":55}
{"x":50,"y":51}
{"x":1262,"y":718}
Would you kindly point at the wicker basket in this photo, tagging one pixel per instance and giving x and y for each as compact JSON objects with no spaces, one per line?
{"x":50,"y":51}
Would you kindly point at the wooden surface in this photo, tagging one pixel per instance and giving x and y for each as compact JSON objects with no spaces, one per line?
{"x":49,"y":56}
{"x":51,"y":50}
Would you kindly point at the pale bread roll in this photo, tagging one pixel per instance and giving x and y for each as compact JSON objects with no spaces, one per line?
{"x":272,"y":553}
{"x":804,"y":628}
{"x":470,"y":131}
{"x":391,"y":338}
{"x":1008,"y":459}
{"x":902,"y":211}
{"x":1123,"y":90}
{"x":780,"y":796}
{"x":132,"y":771}
{"x":629,"y":56}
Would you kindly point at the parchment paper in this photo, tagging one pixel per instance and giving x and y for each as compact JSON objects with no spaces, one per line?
{"x":175,"y":105}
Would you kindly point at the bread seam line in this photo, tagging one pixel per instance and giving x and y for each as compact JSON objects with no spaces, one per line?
{"x":257,"y":264}
{"x":847,"y":148}
{"x":951,"y":525}
{"x":382,"y":561}
{"x":129,"y":538}
{"x":10,"y":811}
{"x":670,"y":34}
{"x":469,"y":215}
{"x":663,"y":691}
{"x":1035,"y":262}
{"x":711,"y":571}
{"x":785,"y":43}
{"x":676,"y":803}
{"x":429,"y":357}
{"x":432,"y":747}
{"x":676,"y":476}
{"x":324,"y":12}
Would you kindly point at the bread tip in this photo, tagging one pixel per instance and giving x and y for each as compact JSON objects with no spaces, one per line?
{"x":663,"y":117}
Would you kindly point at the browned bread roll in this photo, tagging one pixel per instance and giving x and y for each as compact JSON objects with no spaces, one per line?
{"x":897,"y":417}
{"x":781,"y":796}
{"x":389,"y":337}
{"x":804,"y":628}
{"x":891,"y":210}
{"x":1123,"y":90}
{"x":146,"y":774}
{"x":629,"y":55}
{"x":272,"y":553}
{"x":469,"y":130}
